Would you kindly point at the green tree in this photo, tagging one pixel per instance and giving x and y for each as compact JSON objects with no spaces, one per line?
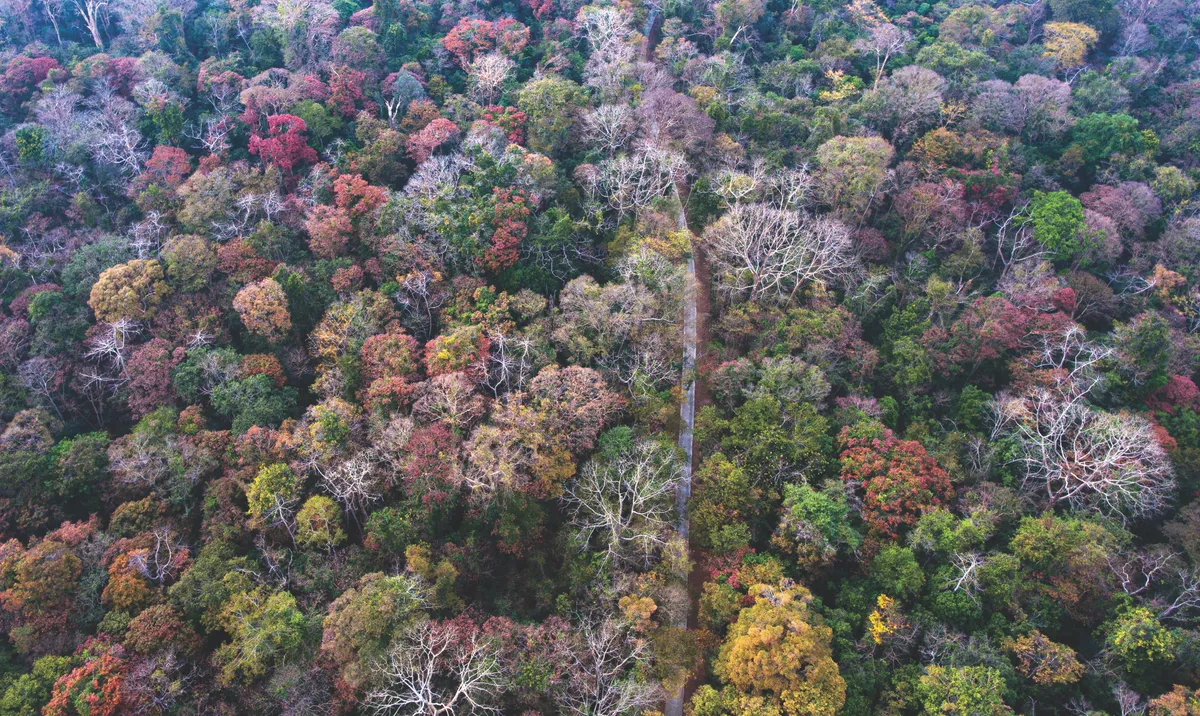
{"x":255,"y":401}
{"x":31,"y":144}
{"x":1098,"y":137}
{"x":273,"y":494}
{"x":1141,"y":645}
{"x":366,"y":618}
{"x":852,"y":171}
{"x":319,"y":523}
{"x":1057,"y":221}
{"x":967,"y":691}
{"x":264,"y":628}
{"x":550,"y":106}
{"x":30,"y":692}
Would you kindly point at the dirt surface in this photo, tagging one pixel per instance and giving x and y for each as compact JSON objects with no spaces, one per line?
{"x":697,"y":363}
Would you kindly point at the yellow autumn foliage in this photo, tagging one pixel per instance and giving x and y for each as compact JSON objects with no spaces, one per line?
{"x":777,"y":652}
{"x":1068,"y":42}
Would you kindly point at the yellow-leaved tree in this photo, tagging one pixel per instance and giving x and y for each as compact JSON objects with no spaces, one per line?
{"x":777,"y":655}
{"x":1068,"y":42}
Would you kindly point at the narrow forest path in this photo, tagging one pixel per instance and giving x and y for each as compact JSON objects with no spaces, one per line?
{"x":695,"y":317}
{"x":695,"y":311}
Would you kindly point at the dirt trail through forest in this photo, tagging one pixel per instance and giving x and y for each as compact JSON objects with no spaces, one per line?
{"x":695,"y":329}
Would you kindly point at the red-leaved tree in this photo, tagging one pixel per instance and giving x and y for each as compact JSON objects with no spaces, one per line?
{"x":508,"y":228}
{"x":897,"y":479}
{"x":284,"y":146}
{"x":436,"y":134}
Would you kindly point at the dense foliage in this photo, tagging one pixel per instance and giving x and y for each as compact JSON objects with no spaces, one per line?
{"x":342,"y":357}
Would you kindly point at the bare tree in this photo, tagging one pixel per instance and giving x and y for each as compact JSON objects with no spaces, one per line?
{"x":486,"y":76}
{"x":95,"y":15}
{"x":966,"y":574}
{"x":41,"y":377}
{"x":603,"y":676}
{"x":159,"y":563}
{"x":612,"y":52}
{"x":1182,"y":601}
{"x":883,"y":41}
{"x":1138,"y":572}
{"x":212,"y":134}
{"x":353,"y":483}
{"x":610,"y":128}
{"x":632,"y":181}
{"x":54,"y":10}
{"x":628,"y":502}
{"x":763,"y":252}
{"x":438,"y":669}
{"x":58,"y":111}
{"x":115,"y":139}
{"x":513,"y":360}
{"x":449,"y":398}
{"x":111,"y":345}
{"x":1129,"y":701}
{"x":789,"y":188}
{"x":1075,"y":454}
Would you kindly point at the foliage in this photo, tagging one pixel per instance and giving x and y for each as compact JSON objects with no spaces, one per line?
{"x":776,"y":651}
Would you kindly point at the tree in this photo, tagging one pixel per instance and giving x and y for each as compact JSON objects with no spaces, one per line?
{"x":93,"y":12}
{"x":440,"y":668}
{"x":883,"y":41}
{"x":1099,"y":137}
{"x":852,"y":172}
{"x":96,"y":687}
{"x":631,"y":182}
{"x":1057,"y":221}
{"x":486,"y":76}
{"x":130,"y":291}
{"x":473,"y":37}
{"x":149,"y":368}
{"x":284,"y":146}
{"x":762,"y":252}
{"x":319,"y":524}
{"x":908,"y":102}
{"x":329,"y":231}
{"x":628,"y":499}
{"x":898,"y":479}
{"x":1140,"y":644}
{"x":263,"y":308}
{"x":777,"y":649}
{"x":1066,"y":563}
{"x":28,"y":693}
{"x":190,"y":262}
{"x":603,"y":670}
{"x":815,"y":524}
{"x":354,"y":482}
{"x":967,"y":690}
{"x":265,"y":629}
{"x":1085,"y":458}
{"x":436,"y":135}
{"x":1067,"y":43}
{"x":273,"y":495}
{"x":449,"y":398}
{"x":358,"y":48}
{"x":550,"y":106}
{"x":610,"y":128}
{"x":41,"y":584}
{"x":1048,"y":663}
{"x":365,"y":619}
{"x":1179,"y":701}
{"x":509,"y":213}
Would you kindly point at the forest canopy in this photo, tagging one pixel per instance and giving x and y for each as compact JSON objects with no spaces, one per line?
{"x":622,"y":358}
